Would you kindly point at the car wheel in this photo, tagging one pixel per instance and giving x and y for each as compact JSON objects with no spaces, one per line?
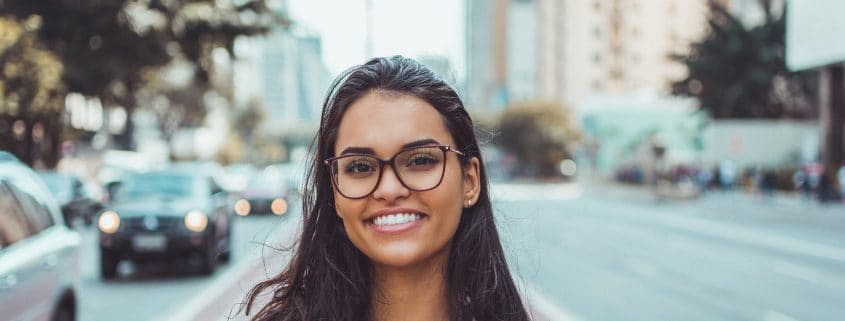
{"x":65,"y":312}
{"x":226,"y":252}
{"x":208,"y":258}
{"x":108,"y":266}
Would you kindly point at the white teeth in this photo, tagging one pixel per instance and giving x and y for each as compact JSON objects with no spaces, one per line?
{"x":392,"y":219}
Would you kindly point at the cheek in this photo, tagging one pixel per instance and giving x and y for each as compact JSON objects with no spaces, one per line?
{"x":449,"y":196}
{"x":343,"y":207}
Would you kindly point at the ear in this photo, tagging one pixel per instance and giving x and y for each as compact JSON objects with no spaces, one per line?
{"x":472,"y":182}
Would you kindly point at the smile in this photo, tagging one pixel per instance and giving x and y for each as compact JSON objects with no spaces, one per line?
{"x":396,"y":219}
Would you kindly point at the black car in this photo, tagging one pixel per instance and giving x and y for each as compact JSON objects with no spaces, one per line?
{"x":164,"y":216}
{"x":267,"y":192}
{"x":39,"y":255}
{"x":77,"y":202}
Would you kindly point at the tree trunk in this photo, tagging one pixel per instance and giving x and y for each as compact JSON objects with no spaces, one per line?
{"x":832,"y":117}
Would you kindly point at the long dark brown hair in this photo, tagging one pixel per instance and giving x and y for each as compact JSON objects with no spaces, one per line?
{"x":328,"y":278}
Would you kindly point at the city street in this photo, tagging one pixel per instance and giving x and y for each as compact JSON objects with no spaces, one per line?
{"x":175,"y":293}
{"x":581,"y":252}
{"x":615,"y":254}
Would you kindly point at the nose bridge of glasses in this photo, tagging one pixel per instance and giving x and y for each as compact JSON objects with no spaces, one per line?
{"x":389,"y":164}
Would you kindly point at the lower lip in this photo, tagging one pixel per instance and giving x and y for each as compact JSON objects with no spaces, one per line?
{"x":396,"y":228}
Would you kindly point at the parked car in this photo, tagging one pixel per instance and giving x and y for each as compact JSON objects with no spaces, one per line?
{"x":166,"y":215}
{"x":78,"y":202}
{"x":39,"y":255}
{"x":268,"y":192}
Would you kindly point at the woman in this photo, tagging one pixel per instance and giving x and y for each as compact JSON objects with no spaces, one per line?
{"x":398,"y":223}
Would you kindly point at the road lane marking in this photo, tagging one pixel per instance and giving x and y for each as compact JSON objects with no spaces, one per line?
{"x":254,"y":258}
{"x":762,"y":239}
{"x":808,"y":274}
{"x":773,"y":315}
{"x":744,"y":235}
{"x":221,"y":283}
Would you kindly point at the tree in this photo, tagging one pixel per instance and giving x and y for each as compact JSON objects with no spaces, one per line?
{"x":110,"y":47}
{"x":740,"y":72}
{"x":31,"y":93}
{"x":539,"y":134}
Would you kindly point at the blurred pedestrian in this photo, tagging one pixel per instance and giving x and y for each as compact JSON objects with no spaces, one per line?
{"x":768,"y":183}
{"x":397,"y":217}
{"x":799,"y":180}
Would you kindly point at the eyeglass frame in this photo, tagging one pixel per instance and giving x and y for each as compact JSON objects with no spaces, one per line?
{"x":391,"y":162}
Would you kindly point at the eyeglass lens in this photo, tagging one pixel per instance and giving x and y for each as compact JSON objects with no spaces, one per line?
{"x":418,"y":169}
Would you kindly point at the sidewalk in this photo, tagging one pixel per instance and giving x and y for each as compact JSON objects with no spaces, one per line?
{"x":614,"y":189}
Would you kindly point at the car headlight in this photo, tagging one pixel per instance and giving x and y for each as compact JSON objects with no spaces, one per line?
{"x":108,"y":222}
{"x":242,"y":207}
{"x":196,"y":221}
{"x":279,"y":206}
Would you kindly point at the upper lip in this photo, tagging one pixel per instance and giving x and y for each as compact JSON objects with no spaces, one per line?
{"x":395,"y":210}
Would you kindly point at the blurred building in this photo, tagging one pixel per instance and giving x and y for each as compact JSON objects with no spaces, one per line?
{"x":486,"y":54}
{"x":814,"y":42}
{"x":285,"y":72}
{"x":442,"y":67}
{"x":567,"y":50}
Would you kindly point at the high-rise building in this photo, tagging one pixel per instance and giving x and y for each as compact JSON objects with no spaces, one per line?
{"x":285,"y":72}
{"x":486,"y":29}
{"x":572,"y":49}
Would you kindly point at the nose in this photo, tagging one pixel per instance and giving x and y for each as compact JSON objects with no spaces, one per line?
{"x":390,"y":188}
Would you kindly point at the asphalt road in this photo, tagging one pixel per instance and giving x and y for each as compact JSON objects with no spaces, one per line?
{"x":606,"y":253}
{"x":580,"y":252}
{"x":158,"y":292}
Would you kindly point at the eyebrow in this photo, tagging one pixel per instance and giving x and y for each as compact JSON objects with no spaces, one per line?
{"x":367,"y":150}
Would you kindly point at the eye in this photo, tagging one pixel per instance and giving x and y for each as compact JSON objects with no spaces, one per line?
{"x":422,"y":161}
{"x":359,"y":167}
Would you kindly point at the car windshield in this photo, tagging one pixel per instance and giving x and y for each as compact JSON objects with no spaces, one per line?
{"x":161,"y":186}
{"x":61,"y":186}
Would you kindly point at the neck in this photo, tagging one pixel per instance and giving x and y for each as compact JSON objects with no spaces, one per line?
{"x":410,"y":294}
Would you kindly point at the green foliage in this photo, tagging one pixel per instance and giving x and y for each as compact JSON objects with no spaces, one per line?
{"x":111,"y":49}
{"x":106,"y":45}
{"x":30,"y":77}
{"x":740,"y":72}
{"x":540,"y":134}
{"x":31,"y":93}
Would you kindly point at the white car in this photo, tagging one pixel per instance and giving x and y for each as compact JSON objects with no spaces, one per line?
{"x":39,"y":254}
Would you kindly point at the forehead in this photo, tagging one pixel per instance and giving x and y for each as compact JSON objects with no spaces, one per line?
{"x":386,"y":121}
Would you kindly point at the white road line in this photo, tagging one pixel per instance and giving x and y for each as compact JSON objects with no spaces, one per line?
{"x":254,"y":258}
{"x":758,"y":238}
{"x":773,"y":315}
{"x":223,"y":282}
{"x":739,"y":234}
{"x":544,"y":306}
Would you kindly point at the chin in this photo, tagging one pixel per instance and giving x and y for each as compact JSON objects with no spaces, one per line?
{"x":402,"y":257}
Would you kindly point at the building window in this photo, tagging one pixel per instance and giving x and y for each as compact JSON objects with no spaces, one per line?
{"x":597,"y":58}
{"x":597,"y":32}
{"x":597,"y":85}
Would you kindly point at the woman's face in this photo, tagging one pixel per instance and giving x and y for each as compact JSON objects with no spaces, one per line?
{"x":379,"y":225}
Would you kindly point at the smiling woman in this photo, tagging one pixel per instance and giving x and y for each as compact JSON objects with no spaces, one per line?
{"x":398,"y":223}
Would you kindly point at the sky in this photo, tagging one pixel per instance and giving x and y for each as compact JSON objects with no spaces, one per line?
{"x":407,"y":27}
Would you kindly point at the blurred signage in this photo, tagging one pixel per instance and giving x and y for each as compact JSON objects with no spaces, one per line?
{"x":814,"y":33}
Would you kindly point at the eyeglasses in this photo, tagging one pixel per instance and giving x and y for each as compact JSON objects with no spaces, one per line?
{"x":419,"y":169}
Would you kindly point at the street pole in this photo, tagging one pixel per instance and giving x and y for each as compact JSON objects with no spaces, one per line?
{"x":832,"y":116}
